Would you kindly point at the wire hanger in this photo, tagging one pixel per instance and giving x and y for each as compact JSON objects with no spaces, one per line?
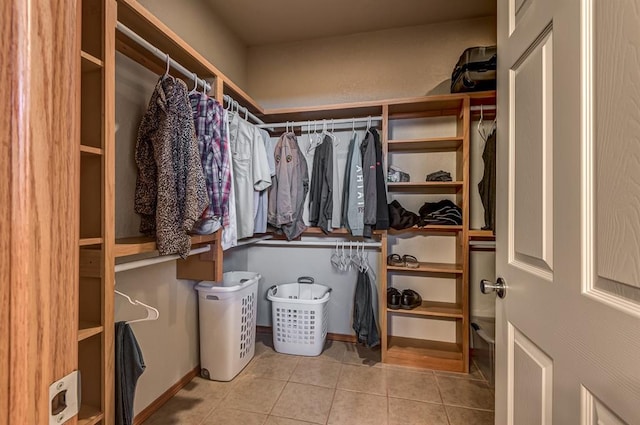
{"x":152,"y":313}
{"x":482,"y":130}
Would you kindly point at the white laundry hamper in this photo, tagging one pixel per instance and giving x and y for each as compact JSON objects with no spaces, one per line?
{"x":227,"y":312}
{"x":300,"y":315}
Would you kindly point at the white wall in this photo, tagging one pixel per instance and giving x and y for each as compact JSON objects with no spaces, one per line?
{"x":196,"y":22}
{"x":402,"y":62}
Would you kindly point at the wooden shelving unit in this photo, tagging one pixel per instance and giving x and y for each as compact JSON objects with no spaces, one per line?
{"x":423,"y":352}
{"x":140,"y":244}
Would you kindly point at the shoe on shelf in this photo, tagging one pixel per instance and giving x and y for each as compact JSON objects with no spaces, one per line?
{"x":393,"y":298}
{"x":410,"y":299}
{"x":395,"y":260}
{"x":410,"y":261}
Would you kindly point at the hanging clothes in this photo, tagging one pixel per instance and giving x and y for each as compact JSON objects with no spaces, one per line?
{"x":129,"y":368}
{"x":261,"y":198}
{"x":340,"y":156}
{"x":487,"y":186}
{"x":382,"y":210}
{"x":308,"y":147}
{"x":364,"y":323}
{"x":321,"y":192}
{"x":230,"y":232}
{"x":289,"y":189}
{"x":171,"y":189}
{"x":208,"y":117}
{"x":353,"y":199}
{"x":250,"y":170}
{"x":368,"y":151}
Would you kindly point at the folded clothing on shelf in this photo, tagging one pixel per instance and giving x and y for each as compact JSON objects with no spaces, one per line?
{"x":401,"y":218}
{"x":441,"y":212}
{"x":396,"y":175}
{"x":439,"y":176}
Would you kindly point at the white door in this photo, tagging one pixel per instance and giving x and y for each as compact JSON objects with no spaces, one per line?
{"x":568,"y":237}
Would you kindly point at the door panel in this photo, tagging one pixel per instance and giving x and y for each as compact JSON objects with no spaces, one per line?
{"x":617,"y":117}
{"x":568,"y":331}
{"x":532,"y":143}
{"x":532,"y":377}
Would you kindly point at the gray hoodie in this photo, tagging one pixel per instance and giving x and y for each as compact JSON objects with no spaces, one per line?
{"x":355,"y":189}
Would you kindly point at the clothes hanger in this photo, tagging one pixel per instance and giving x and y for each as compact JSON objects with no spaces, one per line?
{"x":195,"y":84}
{"x":481,"y":130}
{"x":152,"y":313}
{"x":166,"y":71}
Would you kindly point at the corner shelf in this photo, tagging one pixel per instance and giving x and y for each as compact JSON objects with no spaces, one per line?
{"x":481,"y":235}
{"x":440,"y":144}
{"x":88,"y":329}
{"x":425,"y":353}
{"x":142,"y":244}
{"x":433,"y":309}
{"x":84,"y":149}
{"x":426,"y":187}
{"x":426,"y":267}
{"x":89,"y":415}
{"x":89,"y":62}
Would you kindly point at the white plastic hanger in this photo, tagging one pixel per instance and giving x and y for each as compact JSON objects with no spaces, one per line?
{"x":166,"y":71}
{"x":484,"y":133}
{"x":195,"y":84}
{"x":152,"y":313}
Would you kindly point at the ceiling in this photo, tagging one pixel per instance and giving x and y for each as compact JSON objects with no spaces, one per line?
{"x":276,"y":21}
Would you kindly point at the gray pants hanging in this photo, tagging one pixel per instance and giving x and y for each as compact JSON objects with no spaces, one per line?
{"x":129,"y":367}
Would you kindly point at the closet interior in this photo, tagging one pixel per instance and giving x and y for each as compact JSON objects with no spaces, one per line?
{"x":406,"y":127}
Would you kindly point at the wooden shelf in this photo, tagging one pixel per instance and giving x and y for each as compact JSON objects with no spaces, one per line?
{"x":90,"y":241}
{"x":426,"y":106}
{"x":317,"y":231}
{"x":89,"y":62}
{"x":433,"y":309}
{"x":481,"y":235}
{"x":433,"y":228}
{"x":90,"y":150}
{"x":425,"y":187}
{"x":448,"y":268}
{"x":425,"y":353}
{"x":441,"y":144}
{"x":141,"y":244}
{"x":89,"y":415}
{"x":88,"y":329}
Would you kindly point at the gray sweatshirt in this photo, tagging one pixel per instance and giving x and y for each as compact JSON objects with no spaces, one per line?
{"x":355,"y":195}
{"x":368,"y":150}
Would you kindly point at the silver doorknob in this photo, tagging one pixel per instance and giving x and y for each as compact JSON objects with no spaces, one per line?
{"x":500,"y":287}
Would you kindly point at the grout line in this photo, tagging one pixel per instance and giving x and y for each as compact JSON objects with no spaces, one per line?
{"x":335,"y":391}
{"x":467,"y":407}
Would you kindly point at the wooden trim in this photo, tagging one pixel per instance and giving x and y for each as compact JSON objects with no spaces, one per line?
{"x":165,"y":396}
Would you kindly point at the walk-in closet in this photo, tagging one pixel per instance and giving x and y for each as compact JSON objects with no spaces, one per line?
{"x":391,"y":221}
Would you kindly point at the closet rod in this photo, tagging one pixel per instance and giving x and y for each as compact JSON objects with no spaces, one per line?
{"x":157,"y":260}
{"x":161,"y":55}
{"x":318,"y":244}
{"x":328,"y":122}
{"x":233,"y":102}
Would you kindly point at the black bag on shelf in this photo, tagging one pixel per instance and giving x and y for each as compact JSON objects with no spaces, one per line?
{"x":475,"y":70}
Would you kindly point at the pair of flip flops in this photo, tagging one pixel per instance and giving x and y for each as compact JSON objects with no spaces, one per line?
{"x":406,"y":300}
{"x":405,"y":261}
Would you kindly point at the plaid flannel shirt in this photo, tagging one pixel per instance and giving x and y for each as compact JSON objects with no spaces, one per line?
{"x":216,"y":162}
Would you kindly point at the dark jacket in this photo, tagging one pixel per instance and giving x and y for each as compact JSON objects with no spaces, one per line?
{"x":382,"y":210}
{"x":321,"y":192}
{"x":368,"y":150}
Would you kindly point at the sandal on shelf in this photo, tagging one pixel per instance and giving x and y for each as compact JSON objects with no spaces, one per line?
{"x":393,"y":298}
{"x":395,"y":260}
{"x":410,"y":261}
{"x":410,"y":299}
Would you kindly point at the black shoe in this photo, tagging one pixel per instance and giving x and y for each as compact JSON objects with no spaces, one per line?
{"x":410,"y":299}
{"x":393,"y":298}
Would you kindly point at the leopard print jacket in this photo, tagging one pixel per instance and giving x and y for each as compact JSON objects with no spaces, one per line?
{"x":170,"y":188}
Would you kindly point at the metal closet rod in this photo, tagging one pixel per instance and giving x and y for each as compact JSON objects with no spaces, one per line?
{"x":234,"y":103}
{"x":157,"y":260}
{"x":318,"y":244}
{"x":161,"y":55}
{"x":327,"y":122}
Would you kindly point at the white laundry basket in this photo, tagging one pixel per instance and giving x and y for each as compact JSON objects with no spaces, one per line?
{"x":227,"y":313}
{"x":300,"y":315}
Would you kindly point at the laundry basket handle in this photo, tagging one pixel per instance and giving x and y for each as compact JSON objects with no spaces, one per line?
{"x":306,"y":279}
{"x":273,"y":289}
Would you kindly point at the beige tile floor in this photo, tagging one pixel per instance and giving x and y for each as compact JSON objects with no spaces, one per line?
{"x":346,"y":385}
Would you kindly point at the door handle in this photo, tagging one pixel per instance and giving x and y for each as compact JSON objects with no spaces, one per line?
{"x":500,"y":287}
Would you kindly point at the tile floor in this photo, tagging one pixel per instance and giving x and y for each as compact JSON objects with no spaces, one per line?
{"x":346,"y":385}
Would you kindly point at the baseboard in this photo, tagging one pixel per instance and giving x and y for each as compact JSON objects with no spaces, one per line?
{"x":165,"y":396}
{"x":330,"y":336}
